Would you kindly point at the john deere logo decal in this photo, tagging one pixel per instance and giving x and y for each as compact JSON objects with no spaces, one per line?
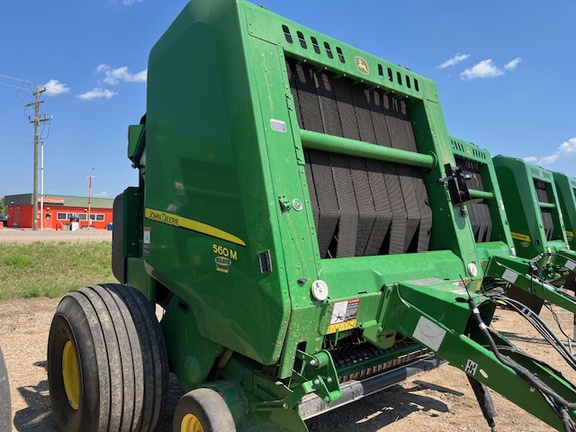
{"x":362,"y":65}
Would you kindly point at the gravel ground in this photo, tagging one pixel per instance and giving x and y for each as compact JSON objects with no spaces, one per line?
{"x":14,"y":235}
{"x":440,"y":400}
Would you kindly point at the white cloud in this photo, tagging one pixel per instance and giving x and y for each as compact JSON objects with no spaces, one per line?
{"x":114,"y":76}
{"x":530,"y":159}
{"x":548,"y":160}
{"x":102,"y":194}
{"x":97,"y":93}
{"x":55,"y":87}
{"x":453,"y":61}
{"x":131,"y":2}
{"x":565,"y":150}
{"x":568,"y":147}
{"x":511,"y":65}
{"x":487,"y":69}
{"x":484,"y":69}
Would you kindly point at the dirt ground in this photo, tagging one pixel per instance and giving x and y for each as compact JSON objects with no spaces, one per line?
{"x":23,"y":236}
{"x":440,"y":400}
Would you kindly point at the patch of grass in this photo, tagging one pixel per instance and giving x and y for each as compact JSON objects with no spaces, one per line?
{"x":20,"y":261}
{"x":52,"y":269}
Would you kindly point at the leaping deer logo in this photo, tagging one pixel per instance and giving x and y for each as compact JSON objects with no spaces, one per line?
{"x":362,"y":65}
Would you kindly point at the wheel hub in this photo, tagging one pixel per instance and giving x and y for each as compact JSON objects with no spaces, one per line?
{"x":71,"y":374}
{"x":190,"y":423}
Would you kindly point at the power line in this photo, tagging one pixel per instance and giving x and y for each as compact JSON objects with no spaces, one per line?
{"x":17,"y":79}
{"x":10,"y":85}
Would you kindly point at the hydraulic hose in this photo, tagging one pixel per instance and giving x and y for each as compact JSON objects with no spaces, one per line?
{"x":569,"y":424}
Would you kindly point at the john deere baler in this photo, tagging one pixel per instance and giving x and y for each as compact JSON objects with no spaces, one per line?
{"x":566,"y":190}
{"x":519,"y":271}
{"x":535,"y":216}
{"x":298,"y":220}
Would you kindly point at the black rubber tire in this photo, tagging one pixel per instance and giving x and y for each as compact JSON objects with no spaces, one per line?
{"x":122,"y":360}
{"x":5,"y":405}
{"x":208,"y":407}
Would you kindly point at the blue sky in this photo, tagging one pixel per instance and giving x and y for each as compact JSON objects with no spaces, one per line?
{"x":505,"y":73}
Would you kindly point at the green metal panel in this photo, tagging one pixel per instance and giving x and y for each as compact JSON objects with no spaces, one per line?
{"x":205,"y":163}
{"x":215,"y":161}
{"x":566,"y":189}
{"x":516,"y":179}
{"x":497,"y":255}
{"x":83,"y":202}
{"x":20,"y":199}
{"x":72,"y":201}
{"x":135,"y":135}
{"x":500,"y":242}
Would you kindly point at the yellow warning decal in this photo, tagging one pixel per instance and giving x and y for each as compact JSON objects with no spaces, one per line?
{"x":521,"y":237}
{"x":192,"y":225}
{"x":344,"y":315}
{"x":570,"y":235}
{"x":338,"y":327}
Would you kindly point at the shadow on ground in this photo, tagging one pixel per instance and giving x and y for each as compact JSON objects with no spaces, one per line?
{"x":369,"y":414}
{"x":384,"y":408}
{"x":515,"y":338}
{"x":37,"y":416}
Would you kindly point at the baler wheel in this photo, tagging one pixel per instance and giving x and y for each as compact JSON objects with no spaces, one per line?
{"x":203,"y":410}
{"x":5,"y":407}
{"x":107,"y":361}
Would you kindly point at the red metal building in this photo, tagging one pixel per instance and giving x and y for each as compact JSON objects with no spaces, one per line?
{"x":58,"y":212}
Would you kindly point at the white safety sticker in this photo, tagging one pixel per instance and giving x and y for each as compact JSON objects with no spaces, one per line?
{"x":426,"y":281}
{"x":146,"y":241}
{"x":570,"y":265}
{"x":278,"y":125}
{"x":471,"y":367}
{"x":344,"y":315}
{"x":510,"y":276}
{"x":429,"y":333}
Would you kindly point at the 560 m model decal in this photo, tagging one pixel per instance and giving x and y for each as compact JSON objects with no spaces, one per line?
{"x":182,"y":222}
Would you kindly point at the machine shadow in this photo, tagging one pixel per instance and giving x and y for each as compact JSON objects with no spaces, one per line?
{"x":37,"y":416}
{"x":384,"y":408}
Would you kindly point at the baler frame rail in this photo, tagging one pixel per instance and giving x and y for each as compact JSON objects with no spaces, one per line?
{"x":515,"y":375}
{"x":526,"y":275}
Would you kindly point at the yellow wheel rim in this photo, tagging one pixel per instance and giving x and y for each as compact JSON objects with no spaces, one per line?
{"x":71,"y":374}
{"x":190,"y":423}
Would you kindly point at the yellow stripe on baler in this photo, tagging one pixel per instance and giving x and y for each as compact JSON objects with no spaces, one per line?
{"x":192,"y":225}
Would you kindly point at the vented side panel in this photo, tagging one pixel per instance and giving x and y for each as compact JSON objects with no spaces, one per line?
{"x":364,"y":207}
{"x":546,"y":213}
{"x":479,"y":212}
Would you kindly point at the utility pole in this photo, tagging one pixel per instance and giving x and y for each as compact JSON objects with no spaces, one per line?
{"x":89,"y":198}
{"x":41,"y":185}
{"x":36,"y":120}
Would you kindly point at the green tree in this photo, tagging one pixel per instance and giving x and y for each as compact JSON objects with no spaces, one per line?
{"x":2,"y":207}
